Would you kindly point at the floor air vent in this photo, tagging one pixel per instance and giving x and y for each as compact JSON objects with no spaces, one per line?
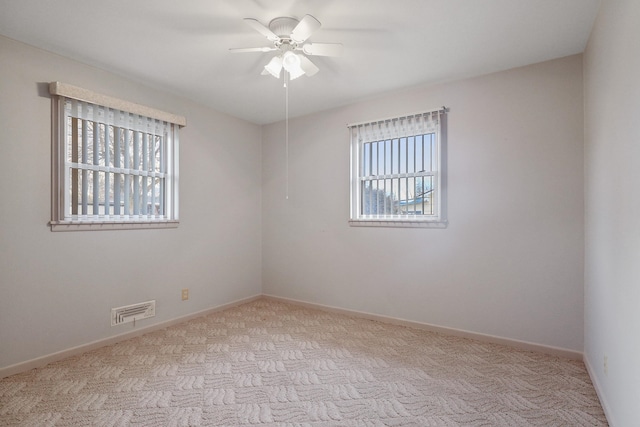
{"x":133,"y":312}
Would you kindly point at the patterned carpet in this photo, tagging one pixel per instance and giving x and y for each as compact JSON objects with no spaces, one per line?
{"x":269,"y":363}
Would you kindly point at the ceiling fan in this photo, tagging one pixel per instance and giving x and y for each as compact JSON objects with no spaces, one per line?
{"x":289,"y":36}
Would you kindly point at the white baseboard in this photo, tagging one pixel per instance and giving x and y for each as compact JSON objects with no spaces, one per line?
{"x":523,"y":345}
{"x":599,"y":392}
{"x":54,"y":357}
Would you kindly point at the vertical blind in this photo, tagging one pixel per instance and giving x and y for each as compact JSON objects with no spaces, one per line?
{"x":116,"y":164}
{"x":395,"y":167}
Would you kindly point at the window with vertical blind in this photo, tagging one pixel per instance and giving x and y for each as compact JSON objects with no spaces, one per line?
{"x":397,"y":171}
{"x":115,"y":163}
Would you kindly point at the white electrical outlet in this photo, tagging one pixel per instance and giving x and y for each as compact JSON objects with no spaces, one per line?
{"x":185,"y":294}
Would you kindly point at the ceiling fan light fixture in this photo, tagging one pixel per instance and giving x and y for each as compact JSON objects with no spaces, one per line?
{"x":274,"y":66}
{"x":290,"y":61}
{"x":295,"y":73}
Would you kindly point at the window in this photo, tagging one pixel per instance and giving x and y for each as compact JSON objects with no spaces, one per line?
{"x":115,"y":163}
{"x":397,"y":171}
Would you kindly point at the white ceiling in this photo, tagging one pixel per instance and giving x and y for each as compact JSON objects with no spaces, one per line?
{"x":182,"y":46}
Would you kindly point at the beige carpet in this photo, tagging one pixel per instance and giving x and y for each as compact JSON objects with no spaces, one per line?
{"x":268,"y":363}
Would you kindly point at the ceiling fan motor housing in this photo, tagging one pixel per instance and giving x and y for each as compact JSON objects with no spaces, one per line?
{"x":283,"y":26}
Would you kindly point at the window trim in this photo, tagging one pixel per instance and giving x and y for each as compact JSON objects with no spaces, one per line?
{"x":439,"y":219}
{"x":60,"y":93}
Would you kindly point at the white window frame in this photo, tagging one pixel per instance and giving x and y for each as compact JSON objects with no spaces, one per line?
{"x":406,"y":126}
{"x":70,"y":105}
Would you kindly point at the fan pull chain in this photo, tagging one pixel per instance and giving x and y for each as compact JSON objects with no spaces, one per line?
{"x":286,"y":135}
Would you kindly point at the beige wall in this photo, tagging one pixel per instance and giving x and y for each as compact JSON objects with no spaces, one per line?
{"x":57,"y":289}
{"x":510,"y":264}
{"x":612,"y":157}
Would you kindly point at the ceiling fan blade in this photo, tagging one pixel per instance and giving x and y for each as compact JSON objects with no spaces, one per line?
{"x":323,"y":49}
{"x":307,"y":66}
{"x":307,"y":26}
{"x":251,"y":49}
{"x":256,"y":25}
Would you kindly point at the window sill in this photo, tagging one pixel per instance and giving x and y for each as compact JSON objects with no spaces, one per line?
{"x":397,"y":223}
{"x":110,"y":225}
